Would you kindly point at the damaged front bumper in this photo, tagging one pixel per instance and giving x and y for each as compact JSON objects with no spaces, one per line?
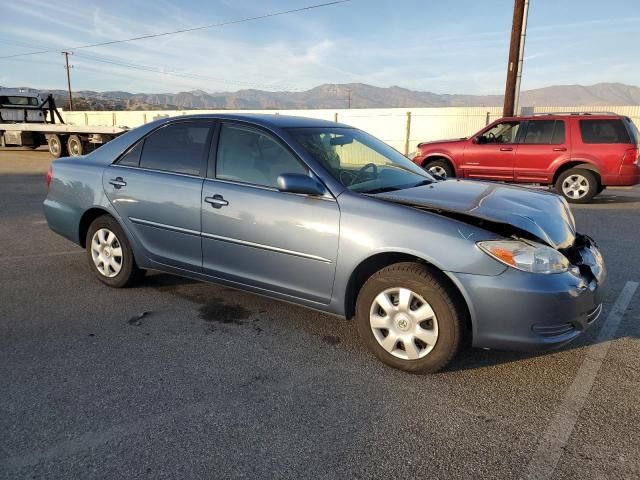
{"x":518,"y":310}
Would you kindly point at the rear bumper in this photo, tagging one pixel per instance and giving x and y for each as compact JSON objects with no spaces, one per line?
{"x":525,"y":311}
{"x":629,"y":175}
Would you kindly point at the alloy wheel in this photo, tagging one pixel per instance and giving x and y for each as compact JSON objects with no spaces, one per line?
{"x":403,"y":323}
{"x":438,"y":170}
{"x":575,"y":186}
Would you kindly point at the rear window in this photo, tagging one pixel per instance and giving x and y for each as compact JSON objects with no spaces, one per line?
{"x":604,"y":131}
{"x":23,"y":101}
{"x":633,"y":130}
{"x":544,"y":132}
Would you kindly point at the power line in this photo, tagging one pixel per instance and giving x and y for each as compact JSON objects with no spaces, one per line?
{"x":184,"y":30}
{"x":160,"y":70}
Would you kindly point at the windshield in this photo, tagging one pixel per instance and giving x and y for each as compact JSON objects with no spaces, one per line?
{"x":359,"y":161}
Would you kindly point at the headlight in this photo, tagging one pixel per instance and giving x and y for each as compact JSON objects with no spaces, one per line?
{"x":526,"y":256}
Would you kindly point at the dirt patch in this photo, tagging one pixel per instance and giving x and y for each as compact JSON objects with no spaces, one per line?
{"x":218,"y":312}
{"x":331,"y":339}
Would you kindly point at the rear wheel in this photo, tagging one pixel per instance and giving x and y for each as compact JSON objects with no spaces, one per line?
{"x":56,"y":146}
{"x":409,"y":318}
{"x":441,"y":168}
{"x":110,"y":255}
{"x":75,"y":146}
{"x":577,"y":185}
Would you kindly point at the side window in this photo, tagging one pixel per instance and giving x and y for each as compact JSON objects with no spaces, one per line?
{"x":249,"y":156}
{"x":544,"y":132}
{"x":132,"y":157}
{"x":178,"y":147}
{"x":604,"y":131}
{"x":505,"y":132}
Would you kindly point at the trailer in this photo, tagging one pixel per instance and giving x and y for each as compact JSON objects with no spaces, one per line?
{"x":28,"y":120}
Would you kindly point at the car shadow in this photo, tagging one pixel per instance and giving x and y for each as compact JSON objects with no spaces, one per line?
{"x":613,"y":199}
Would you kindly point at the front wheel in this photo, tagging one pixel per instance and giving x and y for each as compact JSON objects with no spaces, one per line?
{"x":440,"y":168}
{"x":577,"y":185}
{"x":410,"y":318}
{"x":110,"y":255}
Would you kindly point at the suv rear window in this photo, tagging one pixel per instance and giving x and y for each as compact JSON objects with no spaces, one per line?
{"x":604,"y":131}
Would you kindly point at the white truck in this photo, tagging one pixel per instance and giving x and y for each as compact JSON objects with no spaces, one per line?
{"x":28,"y":120}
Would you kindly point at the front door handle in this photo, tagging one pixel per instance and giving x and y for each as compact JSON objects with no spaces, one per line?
{"x":506,"y":149}
{"x":217,"y":201}
{"x":118,"y":182}
{"x":560,"y":149}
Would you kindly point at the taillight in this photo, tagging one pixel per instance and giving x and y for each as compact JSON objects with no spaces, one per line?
{"x":49,"y":176}
{"x":630,"y":156}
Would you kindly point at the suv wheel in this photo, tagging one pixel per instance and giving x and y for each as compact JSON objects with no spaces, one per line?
{"x":577,"y":185}
{"x":110,"y":255}
{"x":441,"y":168}
{"x":409,"y":319}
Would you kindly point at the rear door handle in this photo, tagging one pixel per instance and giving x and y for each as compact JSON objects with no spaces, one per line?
{"x":217,"y":201}
{"x":506,"y":149}
{"x":560,"y":149}
{"x":118,"y":182}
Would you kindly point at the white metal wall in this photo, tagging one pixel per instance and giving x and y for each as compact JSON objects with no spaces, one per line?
{"x":388,"y":124}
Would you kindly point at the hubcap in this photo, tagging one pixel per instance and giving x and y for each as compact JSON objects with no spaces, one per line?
{"x":438,"y":170}
{"x":575,"y":186}
{"x":106,"y":252}
{"x":55,"y":147}
{"x":75,"y":147}
{"x":403,"y":323}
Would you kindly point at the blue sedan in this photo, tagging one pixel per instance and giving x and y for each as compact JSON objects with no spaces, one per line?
{"x":329,"y":217}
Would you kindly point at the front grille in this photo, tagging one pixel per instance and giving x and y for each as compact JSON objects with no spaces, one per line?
{"x":553,"y":330}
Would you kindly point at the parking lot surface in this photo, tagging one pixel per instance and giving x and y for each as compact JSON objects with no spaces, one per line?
{"x":180,"y":379}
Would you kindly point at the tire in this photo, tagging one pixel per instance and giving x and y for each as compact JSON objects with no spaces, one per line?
{"x":577,"y":185}
{"x":75,"y":147}
{"x":106,"y":251}
{"x":441,"y":168}
{"x":57,"y":147}
{"x":441,"y":326}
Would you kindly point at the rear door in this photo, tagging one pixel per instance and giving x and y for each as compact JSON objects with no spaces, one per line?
{"x":490,"y":155}
{"x":254,"y":234}
{"x":542,"y":146}
{"x":156,"y":189}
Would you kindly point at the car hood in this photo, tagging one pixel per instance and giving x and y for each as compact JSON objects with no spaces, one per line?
{"x":542,"y":214}
{"x":437,"y":142}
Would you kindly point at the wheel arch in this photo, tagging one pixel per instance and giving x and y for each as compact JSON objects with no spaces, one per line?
{"x":576,"y":163}
{"x":87,"y":219}
{"x":367,"y":267}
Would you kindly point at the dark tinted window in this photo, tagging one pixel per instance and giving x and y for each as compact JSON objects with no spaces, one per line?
{"x":250,"y":156}
{"x":132,"y":157}
{"x":604,"y":131}
{"x":179,"y":147}
{"x":558,"y":133}
{"x":505,"y":132}
{"x":544,"y":132}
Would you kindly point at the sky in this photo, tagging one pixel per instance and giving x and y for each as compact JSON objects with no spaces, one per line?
{"x":438,"y":46}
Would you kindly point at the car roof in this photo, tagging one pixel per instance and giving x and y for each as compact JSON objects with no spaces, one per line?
{"x":553,"y":115}
{"x":265,"y":119}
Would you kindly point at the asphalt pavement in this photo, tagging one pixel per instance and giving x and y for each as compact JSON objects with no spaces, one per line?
{"x":180,"y":379}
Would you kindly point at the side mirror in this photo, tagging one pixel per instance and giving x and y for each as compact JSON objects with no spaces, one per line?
{"x":298,"y":183}
{"x":480,"y":139}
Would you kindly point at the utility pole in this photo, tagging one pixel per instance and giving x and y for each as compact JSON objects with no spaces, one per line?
{"x":67,"y":67}
{"x":348,"y":98}
{"x":516,"y":53}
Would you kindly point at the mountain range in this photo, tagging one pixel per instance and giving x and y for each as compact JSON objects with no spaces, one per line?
{"x":359,"y":95}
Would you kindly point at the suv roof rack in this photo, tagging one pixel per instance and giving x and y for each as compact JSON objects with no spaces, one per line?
{"x":575,"y":113}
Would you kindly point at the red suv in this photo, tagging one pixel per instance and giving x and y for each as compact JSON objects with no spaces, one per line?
{"x":580,"y":153}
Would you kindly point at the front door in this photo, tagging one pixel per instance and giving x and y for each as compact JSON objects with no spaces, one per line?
{"x":255,"y":235}
{"x":156,"y":189}
{"x":491,"y":154}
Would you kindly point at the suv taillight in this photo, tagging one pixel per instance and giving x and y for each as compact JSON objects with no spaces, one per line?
{"x":49,"y":176}
{"x":630,"y":156}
